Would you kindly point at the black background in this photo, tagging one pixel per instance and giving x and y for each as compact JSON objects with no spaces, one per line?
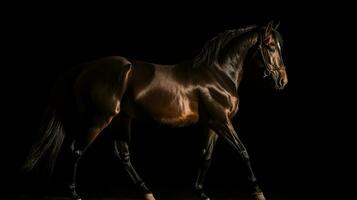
{"x":286,"y":132}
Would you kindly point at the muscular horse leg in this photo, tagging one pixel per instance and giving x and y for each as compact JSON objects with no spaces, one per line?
{"x":226,"y":130}
{"x":121,"y":147}
{"x":80,"y":144}
{"x":206,"y":162}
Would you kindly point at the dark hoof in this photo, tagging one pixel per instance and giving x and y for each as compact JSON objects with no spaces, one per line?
{"x":203,"y":196}
{"x":76,"y":198}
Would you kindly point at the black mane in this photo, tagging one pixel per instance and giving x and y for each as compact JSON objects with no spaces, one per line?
{"x":211,"y":49}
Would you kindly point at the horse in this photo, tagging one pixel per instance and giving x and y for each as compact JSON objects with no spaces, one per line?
{"x":110,"y":92}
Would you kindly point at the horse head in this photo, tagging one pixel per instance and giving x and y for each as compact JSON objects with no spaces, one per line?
{"x":270,"y":53}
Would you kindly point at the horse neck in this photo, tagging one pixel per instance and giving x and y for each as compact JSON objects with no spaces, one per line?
{"x":231,"y":64}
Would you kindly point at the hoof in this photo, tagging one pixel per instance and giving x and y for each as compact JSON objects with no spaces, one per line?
{"x":259,"y":196}
{"x":76,"y":198}
{"x":203,"y":196}
{"x":149,"y":196}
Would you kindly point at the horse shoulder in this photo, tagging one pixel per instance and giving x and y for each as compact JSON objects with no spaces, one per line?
{"x":219,"y":102}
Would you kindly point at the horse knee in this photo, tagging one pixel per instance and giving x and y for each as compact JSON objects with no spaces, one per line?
{"x":206,"y":161}
{"x":207,"y":154}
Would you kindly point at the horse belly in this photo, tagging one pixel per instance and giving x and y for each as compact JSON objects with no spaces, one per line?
{"x":181,"y":116}
{"x":173,"y":109}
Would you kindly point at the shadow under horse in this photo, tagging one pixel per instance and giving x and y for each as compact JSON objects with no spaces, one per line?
{"x":110,"y":92}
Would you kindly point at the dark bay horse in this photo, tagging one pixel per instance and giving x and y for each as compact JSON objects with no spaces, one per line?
{"x":110,"y":92}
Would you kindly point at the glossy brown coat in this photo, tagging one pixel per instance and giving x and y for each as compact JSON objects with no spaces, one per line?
{"x":111,"y":91}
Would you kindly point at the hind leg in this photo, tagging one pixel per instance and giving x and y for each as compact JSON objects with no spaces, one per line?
{"x":98,"y":91}
{"x":121,"y":147}
{"x":80,"y":144}
{"x":76,"y":155}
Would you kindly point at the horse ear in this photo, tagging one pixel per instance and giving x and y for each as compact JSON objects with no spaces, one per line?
{"x":269,"y":28}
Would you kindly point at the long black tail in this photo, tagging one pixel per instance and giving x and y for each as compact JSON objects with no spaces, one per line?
{"x":48,"y":143}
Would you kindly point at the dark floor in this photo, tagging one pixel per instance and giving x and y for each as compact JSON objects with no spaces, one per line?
{"x":105,"y":191}
{"x":169,"y":196}
{"x":180,"y":197}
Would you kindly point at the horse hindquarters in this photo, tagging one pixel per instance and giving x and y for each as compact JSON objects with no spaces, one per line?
{"x":98,"y":92}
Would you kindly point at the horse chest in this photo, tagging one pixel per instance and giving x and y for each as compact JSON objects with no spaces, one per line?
{"x":234,"y":106}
